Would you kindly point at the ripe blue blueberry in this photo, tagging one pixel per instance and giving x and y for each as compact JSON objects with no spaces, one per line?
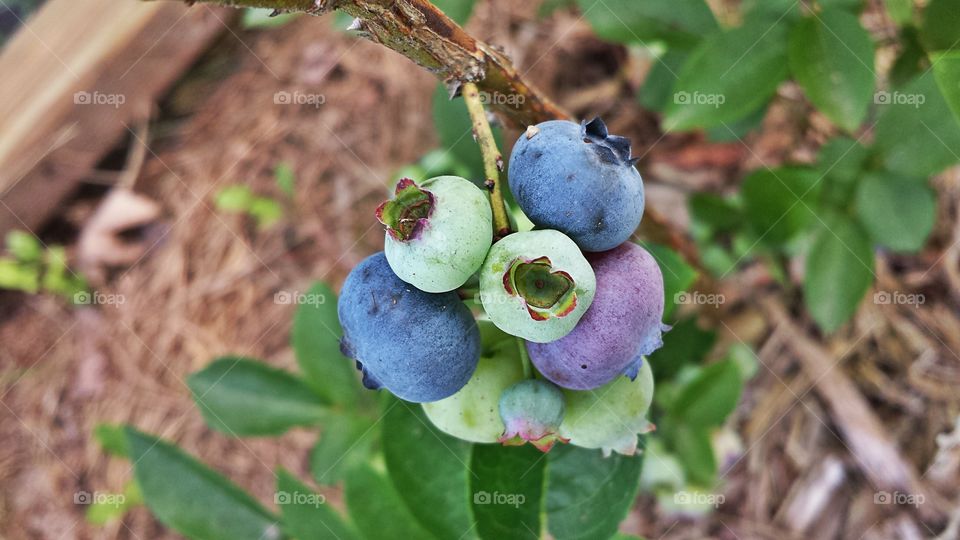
{"x":622,"y":325}
{"x":536,"y":285}
{"x":579,"y":180}
{"x":531,"y":411}
{"x":438,"y":233}
{"x":419,"y":346}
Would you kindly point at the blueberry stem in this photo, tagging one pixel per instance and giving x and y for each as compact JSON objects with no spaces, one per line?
{"x":525,"y":359}
{"x":492,"y":160}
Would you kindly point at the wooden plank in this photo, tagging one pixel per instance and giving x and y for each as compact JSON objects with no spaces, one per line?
{"x":75,"y":77}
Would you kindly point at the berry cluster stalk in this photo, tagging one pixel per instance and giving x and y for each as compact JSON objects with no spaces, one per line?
{"x":492,"y":160}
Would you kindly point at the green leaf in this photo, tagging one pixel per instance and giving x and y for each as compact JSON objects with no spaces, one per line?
{"x":657,"y":88}
{"x":738,"y":129}
{"x":241,"y":397}
{"x":683,"y":345}
{"x":430,"y":467}
{"x":901,"y":11}
{"x":316,"y":342}
{"x":458,"y":10}
{"x":506,"y":488}
{"x":946,"y":69}
{"x":729,"y":75}
{"x":17,"y":276}
{"x":115,"y":505}
{"x":346,"y":440}
{"x":941,"y":25}
{"x":707,"y":399}
{"x":680,"y":23}
{"x":454,"y":128}
{"x":254,"y":18}
{"x":677,"y":274}
{"x":548,"y":7}
{"x":192,"y":499}
{"x":831,"y":57}
{"x":377,"y":508}
{"x":779,"y":203}
{"x":588,"y":495}
{"x":714,"y":213}
{"x":24,"y":246}
{"x":306,"y":514}
{"x":266,"y":211}
{"x":840,"y":162}
{"x":692,"y":445}
{"x":897,"y":212}
{"x":839,"y":270}
{"x":112,"y":438}
{"x":286,"y":178}
{"x":917,"y":134}
{"x":912,"y":60}
{"x":236,"y":198}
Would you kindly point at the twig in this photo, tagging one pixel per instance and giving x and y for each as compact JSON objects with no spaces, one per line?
{"x":492,"y":160}
{"x":420,"y":31}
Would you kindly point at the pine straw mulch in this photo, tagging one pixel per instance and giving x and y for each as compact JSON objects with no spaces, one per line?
{"x":205,"y":288}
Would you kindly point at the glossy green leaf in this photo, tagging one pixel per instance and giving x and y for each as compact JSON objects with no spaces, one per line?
{"x":588,"y":495}
{"x":192,"y":499}
{"x":506,"y":489}
{"x":946,"y":69}
{"x":729,"y":75}
{"x":839,"y":270}
{"x":707,"y":399}
{"x":378,"y":509}
{"x":941,"y":25}
{"x":345,"y":440}
{"x":897,"y":212}
{"x":916,"y":134}
{"x":779,"y":203}
{"x":306,"y":514}
{"x":831,"y":57}
{"x":678,"y":276}
{"x":241,"y":397}
{"x":316,"y":342}
{"x":429,"y":467}
{"x":680,"y":23}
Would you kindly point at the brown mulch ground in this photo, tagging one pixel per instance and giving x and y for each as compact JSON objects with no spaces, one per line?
{"x":204,"y":287}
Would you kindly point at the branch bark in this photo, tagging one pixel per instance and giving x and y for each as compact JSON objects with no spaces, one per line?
{"x":422,"y":33}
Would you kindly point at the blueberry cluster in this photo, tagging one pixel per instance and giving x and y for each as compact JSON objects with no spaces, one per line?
{"x":586,"y":301}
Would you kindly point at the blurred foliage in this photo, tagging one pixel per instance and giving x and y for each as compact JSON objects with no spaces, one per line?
{"x":31,"y":267}
{"x":857,"y":197}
